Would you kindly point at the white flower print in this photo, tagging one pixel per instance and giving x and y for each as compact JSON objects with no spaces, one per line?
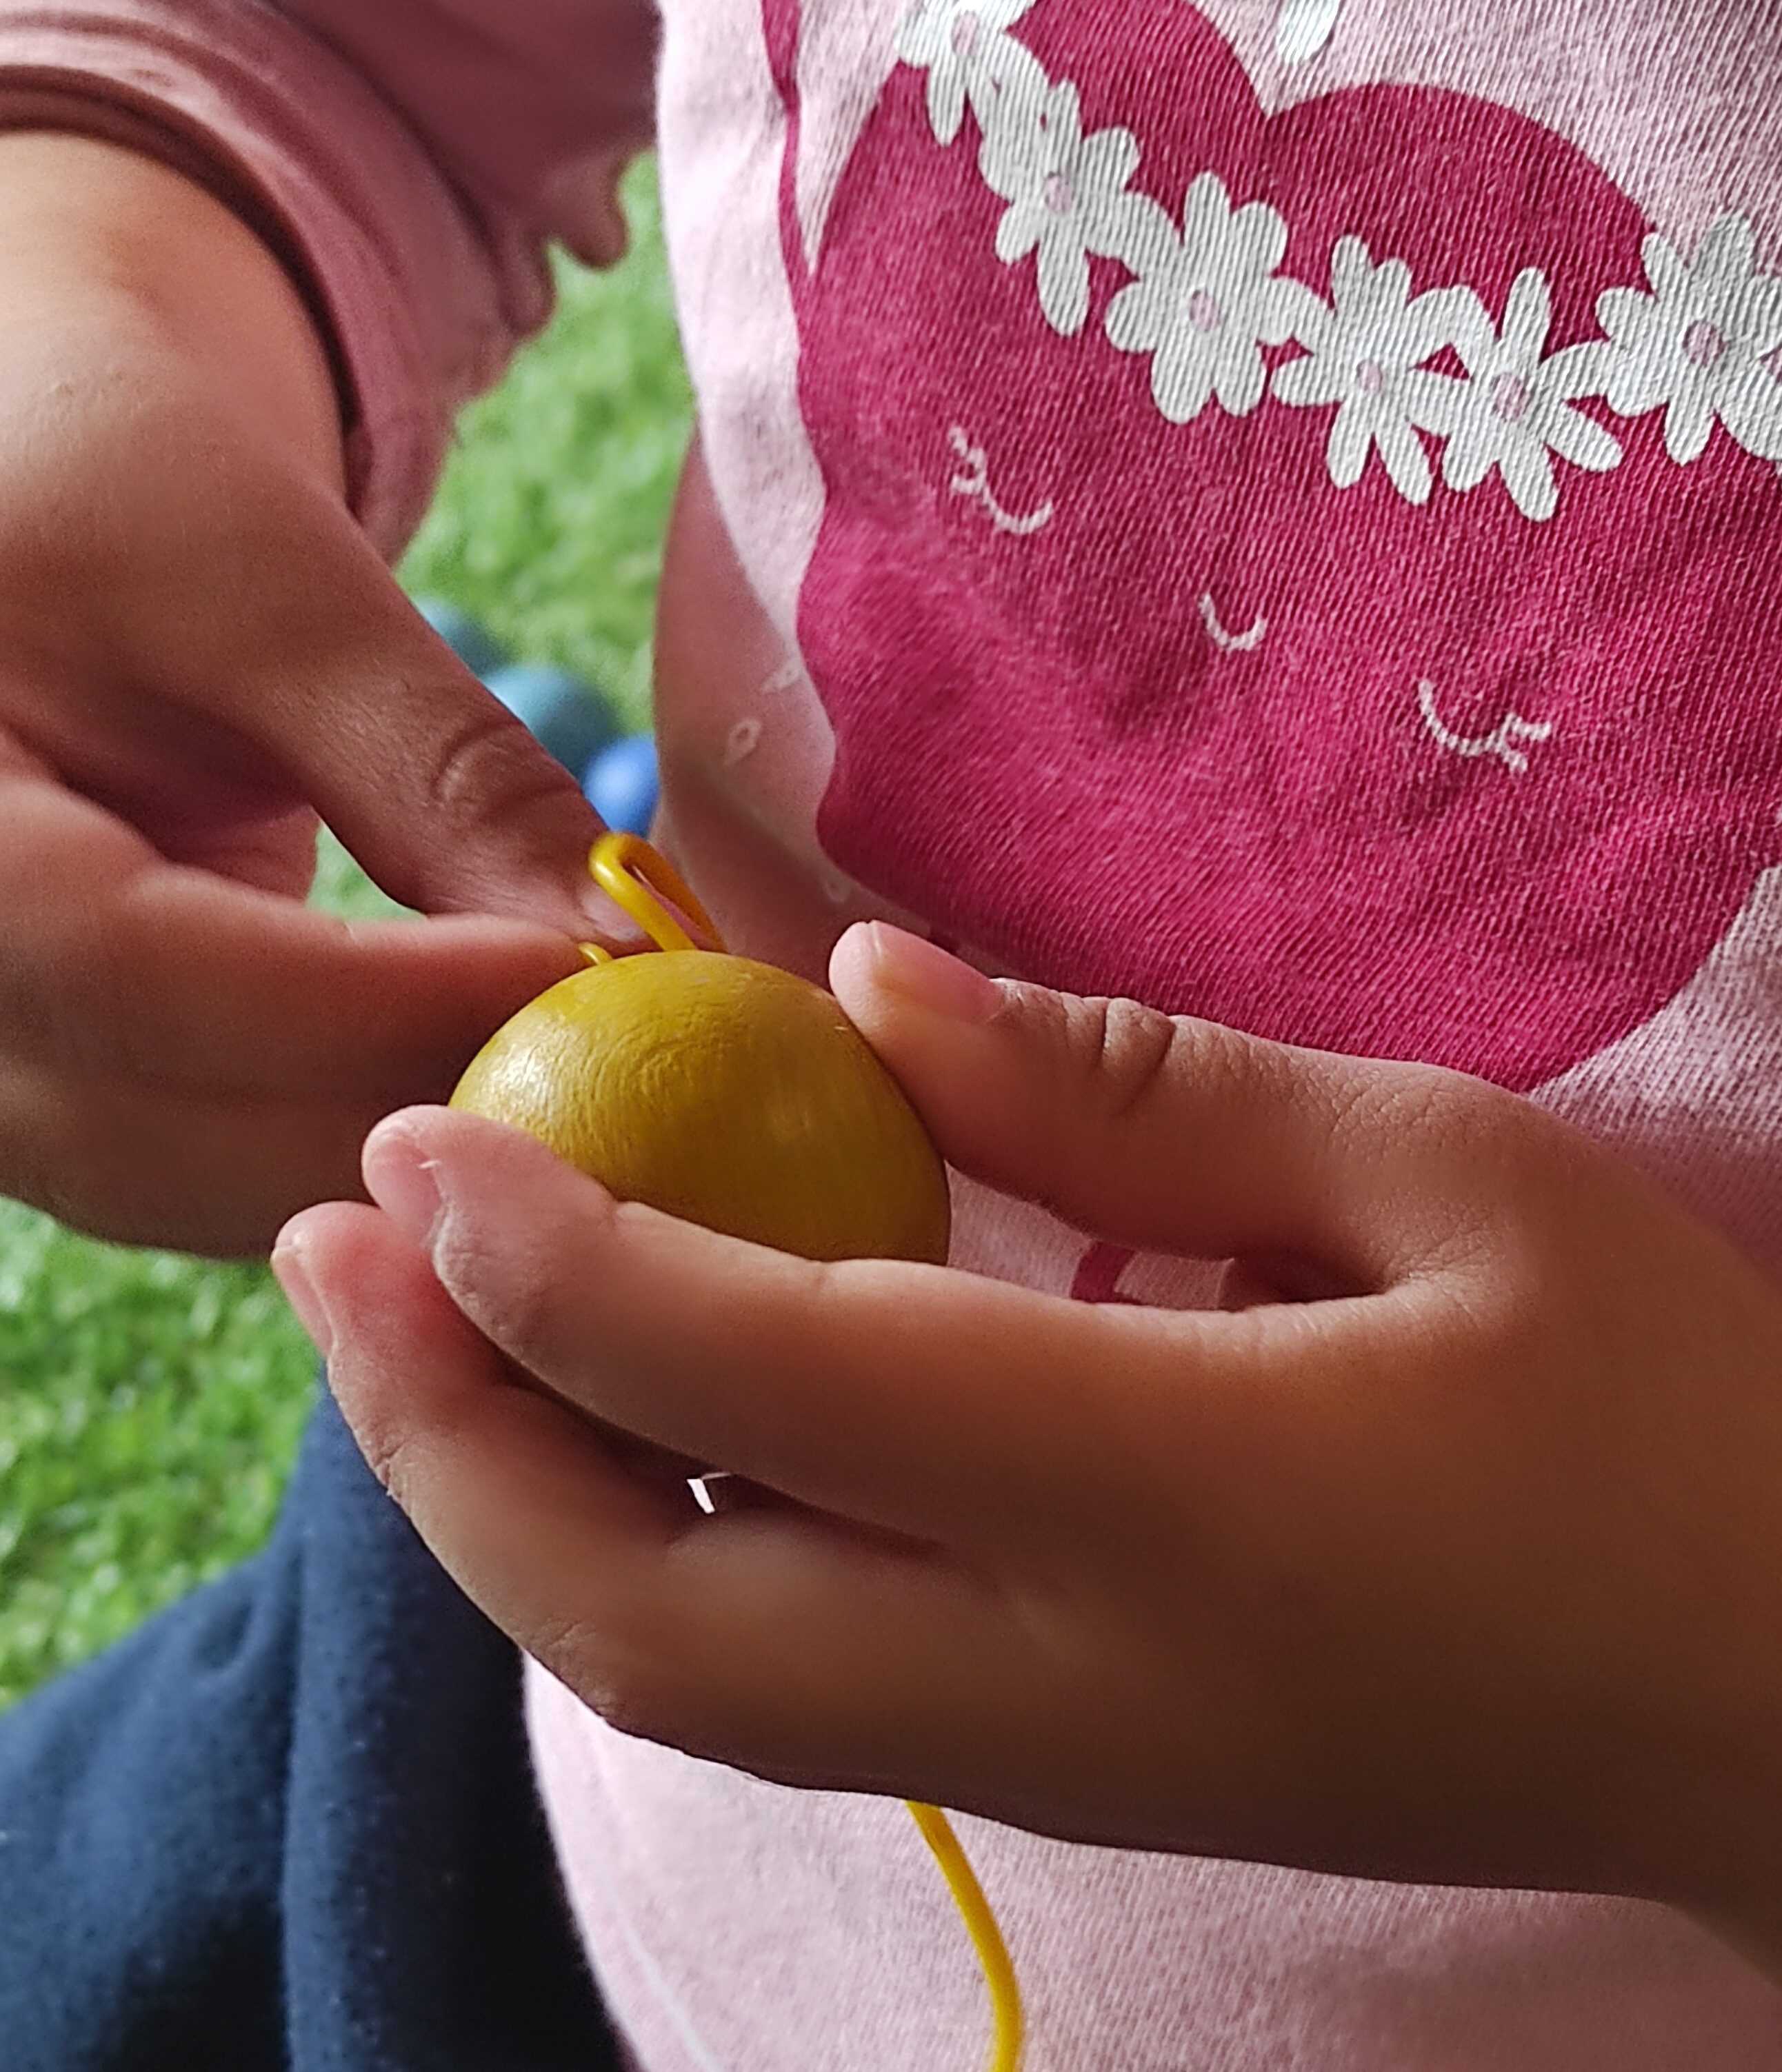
{"x":1366,"y":354}
{"x":1066,"y":193}
{"x":965,"y":48}
{"x":1697,"y":344}
{"x":1515,"y":408}
{"x":1208,"y":300}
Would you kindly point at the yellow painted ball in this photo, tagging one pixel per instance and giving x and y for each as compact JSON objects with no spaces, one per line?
{"x":726,"y":1092}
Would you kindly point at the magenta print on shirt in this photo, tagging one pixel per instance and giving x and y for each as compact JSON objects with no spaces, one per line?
{"x":1319,"y":571}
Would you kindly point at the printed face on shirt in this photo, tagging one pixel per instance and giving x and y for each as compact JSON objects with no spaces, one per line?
{"x":1305,"y":554}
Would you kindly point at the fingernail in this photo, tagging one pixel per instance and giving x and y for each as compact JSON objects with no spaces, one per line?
{"x":614,"y":929}
{"x":300,"y":1291}
{"x":923,"y":971}
{"x":403,"y":1181}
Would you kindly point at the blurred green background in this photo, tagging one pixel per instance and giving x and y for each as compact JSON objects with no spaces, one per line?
{"x":149,"y":1404}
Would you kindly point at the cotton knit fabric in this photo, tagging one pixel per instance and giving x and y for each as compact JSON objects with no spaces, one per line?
{"x":1272,"y":509}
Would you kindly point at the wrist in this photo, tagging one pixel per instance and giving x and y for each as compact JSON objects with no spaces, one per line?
{"x":93,"y":234}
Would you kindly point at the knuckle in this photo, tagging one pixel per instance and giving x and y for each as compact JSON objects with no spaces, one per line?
{"x":1130,"y":1055}
{"x":512,"y":1291}
{"x":569,"y":1647}
{"x":1383,"y":1112}
{"x":1416,"y":1111}
{"x":389,"y":1452}
{"x":619,"y":1682}
{"x":1447,"y":1150}
{"x":1121,"y":1049}
{"x":488,"y":768}
{"x":87,"y":511}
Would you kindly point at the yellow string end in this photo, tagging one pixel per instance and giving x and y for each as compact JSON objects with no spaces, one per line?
{"x":642,"y":882}
{"x":1007,"y":2020}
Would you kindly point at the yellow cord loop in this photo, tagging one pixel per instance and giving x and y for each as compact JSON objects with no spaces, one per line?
{"x":642,"y":883}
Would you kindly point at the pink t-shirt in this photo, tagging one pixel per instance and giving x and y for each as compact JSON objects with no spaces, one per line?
{"x":1270,"y":506}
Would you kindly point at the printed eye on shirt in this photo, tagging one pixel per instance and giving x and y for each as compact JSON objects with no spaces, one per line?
{"x":1324,"y":563}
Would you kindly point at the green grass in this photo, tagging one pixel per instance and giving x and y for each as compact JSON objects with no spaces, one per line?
{"x":149,"y":1403}
{"x":148,"y":1406}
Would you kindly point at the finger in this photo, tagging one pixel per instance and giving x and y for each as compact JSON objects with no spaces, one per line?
{"x":933,"y":1404}
{"x":226,"y":822}
{"x":191,"y":1171}
{"x":264,"y":609}
{"x":120,"y":966}
{"x":776,"y":1640}
{"x":1160,"y":1132}
{"x":442,"y":795}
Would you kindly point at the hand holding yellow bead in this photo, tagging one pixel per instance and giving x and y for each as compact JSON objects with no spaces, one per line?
{"x":736,"y":1096}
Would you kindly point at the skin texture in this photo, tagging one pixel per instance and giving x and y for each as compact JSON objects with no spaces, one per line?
{"x":202,"y":653}
{"x":1448,"y":1555}
{"x":1451,"y":1553}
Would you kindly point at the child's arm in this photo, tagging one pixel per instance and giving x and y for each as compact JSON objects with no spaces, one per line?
{"x":245,"y":293}
{"x":1460,"y":1563}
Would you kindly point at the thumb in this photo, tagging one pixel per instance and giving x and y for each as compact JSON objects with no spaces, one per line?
{"x":1157,"y":1131}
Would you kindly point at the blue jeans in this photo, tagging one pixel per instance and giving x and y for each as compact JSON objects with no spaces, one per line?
{"x":290,"y":1826}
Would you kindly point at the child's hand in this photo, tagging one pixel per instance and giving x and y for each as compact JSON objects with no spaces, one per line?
{"x":1469,"y":1571}
{"x":200,"y":652}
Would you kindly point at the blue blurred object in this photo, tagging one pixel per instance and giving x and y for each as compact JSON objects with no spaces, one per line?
{"x":468,"y":639}
{"x":621,"y":784}
{"x":568,"y":716}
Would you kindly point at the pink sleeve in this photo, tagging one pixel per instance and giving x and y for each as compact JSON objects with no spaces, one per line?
{"x":407,"y":159}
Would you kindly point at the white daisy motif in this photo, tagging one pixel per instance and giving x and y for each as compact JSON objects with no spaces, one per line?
{"x":1697,"y":344}
{"x":1516,"y":410}
{"x":1066,"y":193}
{"x":965,"y":48}
{"x":1366,"y":354}
{"x":1207,"y":300}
